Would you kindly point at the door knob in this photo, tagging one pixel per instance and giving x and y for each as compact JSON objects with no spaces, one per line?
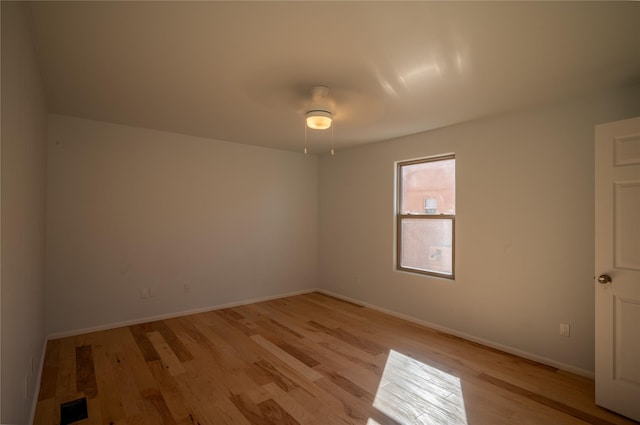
{"x":604,"y":279}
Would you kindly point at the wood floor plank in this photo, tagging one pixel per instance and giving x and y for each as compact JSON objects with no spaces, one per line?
{"x":539,"y":398}
{"x":295,"y":351}
{"x":156,"y":403}
{"x":287,"y":323}
{"x":112,"y":410}
{"x":295,"y":409}
{"x":349,"y":338}
{"x":163,"y":379}
{"x":167,"y":355}
{"x":310,"y":360}
{"x":180,"y":351}
{"x":275,"y":414}
{"x":350,"y":367}
{"x":227,"y":413}
{"x":139,"y":333}
{"x":236,"y":320}
{"x":46,"y":412}
{"x":198,"y":396}
{"x":85,"y":372}
{"x":181,"y":410}
{"x":95,"y":412}
{"x":250,"y":410}
{"x":286,"y":358}
{"x":205,"y":374}
{"x":274,"y":377}
{"x":356,"y":409}
{"x":227,"y":338}
{"x":66,"y":385}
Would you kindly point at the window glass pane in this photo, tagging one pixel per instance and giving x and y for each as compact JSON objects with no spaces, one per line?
{"x":429,"y":188}
{"x":427,"y":245}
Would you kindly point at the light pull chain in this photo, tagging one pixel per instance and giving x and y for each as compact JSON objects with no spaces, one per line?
{"x":305,"y":138}
{"x":306,"y":151}
{"x":332,"y":152}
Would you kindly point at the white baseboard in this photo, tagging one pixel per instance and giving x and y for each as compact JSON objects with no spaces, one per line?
{"x":36,"y":388}
{"x":488,"y":343}
{"x":147,"y":319}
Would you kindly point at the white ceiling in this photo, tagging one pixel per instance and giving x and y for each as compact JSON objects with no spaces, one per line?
{"x":242,"y":71}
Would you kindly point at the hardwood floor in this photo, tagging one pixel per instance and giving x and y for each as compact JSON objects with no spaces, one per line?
{"x":309,"y":359}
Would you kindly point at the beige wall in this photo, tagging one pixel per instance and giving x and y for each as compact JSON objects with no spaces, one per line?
{"x":23,"y":216}
{"x":130,"y":208}
{"x":524,"y":229}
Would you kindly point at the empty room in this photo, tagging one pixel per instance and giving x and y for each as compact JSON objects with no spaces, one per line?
{"x":368,"y":213}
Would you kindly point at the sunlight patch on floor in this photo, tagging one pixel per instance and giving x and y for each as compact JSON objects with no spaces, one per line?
{"x":411,"y":392}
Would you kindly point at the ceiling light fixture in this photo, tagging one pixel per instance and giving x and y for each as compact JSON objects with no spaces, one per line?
{"x":320,"y":112}
{"x":319,"y":115}
{"x":318,"y":119}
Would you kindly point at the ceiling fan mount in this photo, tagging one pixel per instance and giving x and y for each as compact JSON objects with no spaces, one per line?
{"x":319,"y":114}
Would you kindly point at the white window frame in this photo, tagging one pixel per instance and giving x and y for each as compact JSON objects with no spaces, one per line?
{"x":400,"y":216}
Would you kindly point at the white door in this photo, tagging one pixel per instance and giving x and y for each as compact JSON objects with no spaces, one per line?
{"x":617,"y":262}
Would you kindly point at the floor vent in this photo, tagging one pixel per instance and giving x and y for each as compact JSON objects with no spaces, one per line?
{"x":73,"y":411}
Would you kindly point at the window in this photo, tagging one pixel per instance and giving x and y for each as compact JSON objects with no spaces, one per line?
{"x":426,"y":213}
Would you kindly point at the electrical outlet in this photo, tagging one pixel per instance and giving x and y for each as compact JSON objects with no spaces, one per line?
{"x":187,"y":288}
{"x":145,"y":293}
{"x":565,"y":329}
